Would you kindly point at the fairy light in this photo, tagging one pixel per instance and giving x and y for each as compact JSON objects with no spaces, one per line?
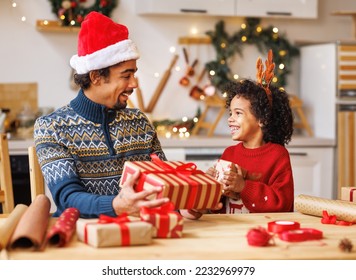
{"x":168,"y":134}
{"x":72,"y":22}
{"x":211,"y":72}
{"x":156,"y":75}
{"x":224,"y":94}
{"x":243,"y":38}
{"x":23,"y":18}
{"x":236,"y":76}
{"x":243,"y":26}
{"x":172,"y":49}
{"x":14,"y":4}
{"x":282,"y":52}
{"x":202,"y":97}
{"x":184,"y":119}
{"x":195,"y":119}
{"x":177,"y":68}
{"x":281,"y":66}
{"x":194,"y":31}
{"x":45,"y":22}
{"x":175,"y":129}
{"x":259,"y":29}
{"x":275,"y":79}
{"x":223,"y":45}
{"x":275,"y":30}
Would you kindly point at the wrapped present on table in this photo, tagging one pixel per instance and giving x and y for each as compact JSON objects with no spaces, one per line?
{"x":166,"y":222}
{"x":110,"y":232}
{"x":182,"y":183}
{"x":348,"y":194}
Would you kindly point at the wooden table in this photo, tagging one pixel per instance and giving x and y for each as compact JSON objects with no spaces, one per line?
{"x":215,"y":237}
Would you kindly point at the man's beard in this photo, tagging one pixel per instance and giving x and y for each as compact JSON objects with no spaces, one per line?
{"x":119,"y":105}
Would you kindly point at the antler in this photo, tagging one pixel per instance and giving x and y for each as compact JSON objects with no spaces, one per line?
{"x":264,"y":78}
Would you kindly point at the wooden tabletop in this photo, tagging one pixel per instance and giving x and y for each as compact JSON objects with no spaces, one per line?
{"x":214,"y":237}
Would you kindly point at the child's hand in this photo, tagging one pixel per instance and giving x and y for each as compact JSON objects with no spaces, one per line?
{"x":194,"y":214}
{"x":234,"y":181}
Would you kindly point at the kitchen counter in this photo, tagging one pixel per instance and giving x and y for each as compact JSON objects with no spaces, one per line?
{"x":224,"y":141}
{"x":19,"y":146}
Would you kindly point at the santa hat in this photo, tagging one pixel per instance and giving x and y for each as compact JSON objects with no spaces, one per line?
{"x":102,"y":43}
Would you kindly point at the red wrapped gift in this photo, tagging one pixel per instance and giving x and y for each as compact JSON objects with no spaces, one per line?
{"x":348,"y":194}
{"x":166,"y":223}
{"x":110,"y":232}
{"x":186,"y":187}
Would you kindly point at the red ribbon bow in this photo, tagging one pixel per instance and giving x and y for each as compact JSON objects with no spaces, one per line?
{"x":332,"y":219}
{"x":120,"y":221}
{"x":163,"y":228}
{"x":183,"y":171}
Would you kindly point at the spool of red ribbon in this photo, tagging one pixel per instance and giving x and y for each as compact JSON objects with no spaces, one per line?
{"x":302,"y":234}
{"x":280,"y":226}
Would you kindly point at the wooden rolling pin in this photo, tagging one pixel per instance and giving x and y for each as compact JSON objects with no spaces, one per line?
{"x":161,"y":85}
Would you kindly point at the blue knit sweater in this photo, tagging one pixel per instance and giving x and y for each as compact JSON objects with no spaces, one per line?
{"x":82,"y":148}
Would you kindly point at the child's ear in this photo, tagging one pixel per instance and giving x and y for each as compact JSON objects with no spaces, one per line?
{"x":260,"y":124}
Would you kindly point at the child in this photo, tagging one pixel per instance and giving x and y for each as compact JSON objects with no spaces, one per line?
{"x":262,"y":121}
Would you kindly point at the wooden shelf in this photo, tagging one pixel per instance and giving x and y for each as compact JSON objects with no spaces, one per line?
{"x":54,"y":26}
{"x":194,"y":40}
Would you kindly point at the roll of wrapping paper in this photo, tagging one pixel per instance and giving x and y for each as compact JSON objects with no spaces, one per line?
{"x":312,"y":205}
{"x":62,"y":231}
{"x":8,"y":227}
{"x":31,"y":229}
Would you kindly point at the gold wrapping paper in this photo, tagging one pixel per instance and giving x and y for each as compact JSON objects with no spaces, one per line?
{"x":97,"y":235}
{"x":8,"y":227}
{"x":312,"y":205}
{"x":31,"y":229}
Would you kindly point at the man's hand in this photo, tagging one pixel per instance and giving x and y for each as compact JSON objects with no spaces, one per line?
{"x":130,"y":201}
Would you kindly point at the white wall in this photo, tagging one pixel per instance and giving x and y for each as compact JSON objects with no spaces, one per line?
{"x":28,"y":55}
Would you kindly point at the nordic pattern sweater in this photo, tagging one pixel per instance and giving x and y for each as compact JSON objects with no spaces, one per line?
{"x":82,"y":148}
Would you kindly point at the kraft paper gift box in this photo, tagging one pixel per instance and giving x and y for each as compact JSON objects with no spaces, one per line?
{"x":221,"y":166}
{"x":182,"y":183}
{"x":348,"y":194}
{"x":112,"y":232}
{"x":166,"y":222}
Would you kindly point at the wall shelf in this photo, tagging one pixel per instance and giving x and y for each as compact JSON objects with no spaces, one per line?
{"x":194,"y":40}
{"x":55,"y":26}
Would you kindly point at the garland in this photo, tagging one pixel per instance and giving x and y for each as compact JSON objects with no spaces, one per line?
{"x":73,"y":12}
{"x":250,"y":33}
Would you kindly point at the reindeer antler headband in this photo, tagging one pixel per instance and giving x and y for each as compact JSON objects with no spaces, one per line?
{"x":264,"y":78}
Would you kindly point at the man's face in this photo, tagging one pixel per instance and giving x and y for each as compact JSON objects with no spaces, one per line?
{"x":114,"y":91}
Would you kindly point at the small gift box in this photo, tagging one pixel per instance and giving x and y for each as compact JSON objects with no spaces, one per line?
{"x":110,"y":232}
{"x":166,"y":222}
{"x":221,"y":166}
{"x":348,"y":194}
{"x":182,"y":183}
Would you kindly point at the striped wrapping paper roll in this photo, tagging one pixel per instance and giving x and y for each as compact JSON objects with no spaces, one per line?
{"x":312,"y":205}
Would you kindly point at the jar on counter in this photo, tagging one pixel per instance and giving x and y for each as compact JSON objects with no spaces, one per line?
{"x":25,"y":121}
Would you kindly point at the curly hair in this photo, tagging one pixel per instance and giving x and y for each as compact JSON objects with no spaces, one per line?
{"x":83,"y":80}
{"x":277,"y":119}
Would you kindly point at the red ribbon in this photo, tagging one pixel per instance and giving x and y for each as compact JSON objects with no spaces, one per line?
{"x":302,"y":234}
{"x":164,"y":220}
{"x":183,"y":171}
{"x":279,"y":226}
{"x":332,"y":219}
{"x":119,"y":220}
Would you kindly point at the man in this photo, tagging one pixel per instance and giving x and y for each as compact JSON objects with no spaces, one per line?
{"x":83,"y":146}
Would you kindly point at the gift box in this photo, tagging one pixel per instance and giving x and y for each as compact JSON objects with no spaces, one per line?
{"x":182,"y":183}
{"x":111,"y":232}
{"x":166,"y":222}
{"x":221,"y":166}
{"x":348,"y":194}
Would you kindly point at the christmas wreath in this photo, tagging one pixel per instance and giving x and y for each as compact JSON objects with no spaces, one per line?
{"x":73,"y":12}
{"x":250,"y":33}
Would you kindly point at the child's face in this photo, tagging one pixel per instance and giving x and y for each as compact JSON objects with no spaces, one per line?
{"x":243,"y":124}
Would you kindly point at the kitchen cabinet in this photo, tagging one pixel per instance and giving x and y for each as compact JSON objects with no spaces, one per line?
{"x":186,"y":7}
{"x":241,"y":8}
{"x":312,"y":161}
{"x":277,"y":8}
